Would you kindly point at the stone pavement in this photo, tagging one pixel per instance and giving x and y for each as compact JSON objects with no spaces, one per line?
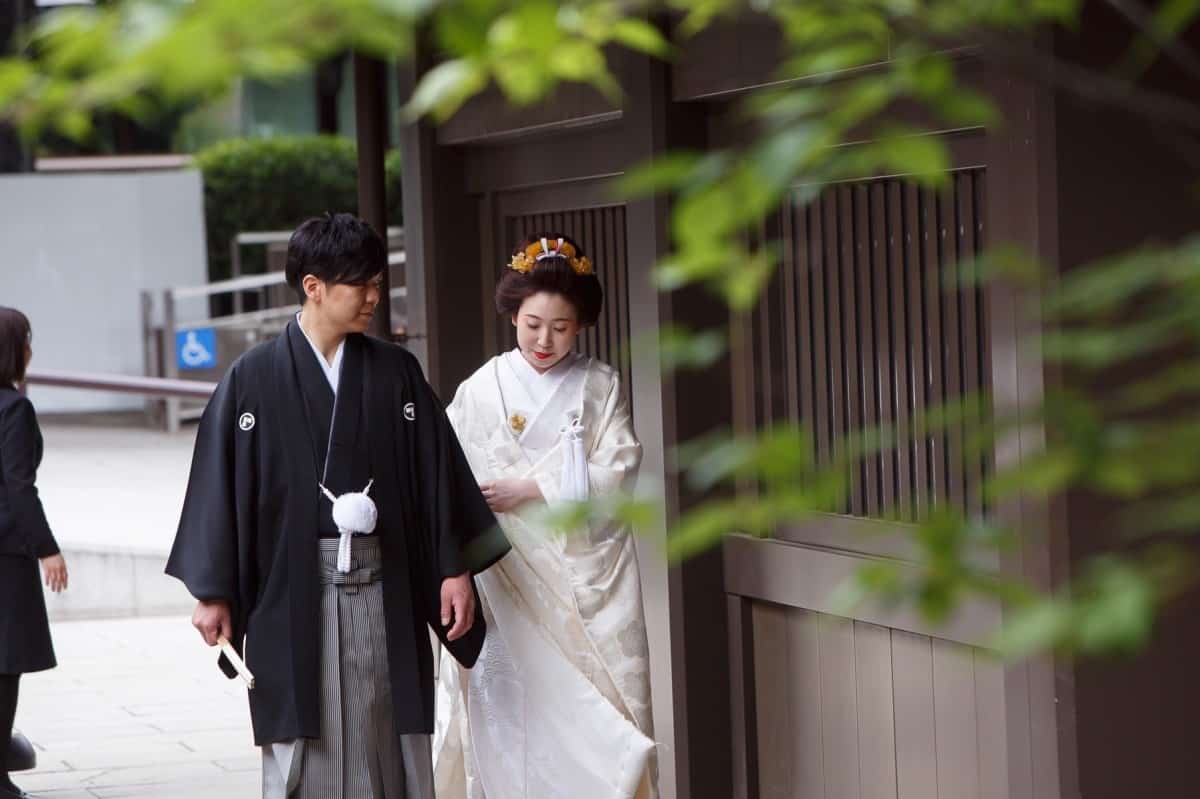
{"x":136,"y":708}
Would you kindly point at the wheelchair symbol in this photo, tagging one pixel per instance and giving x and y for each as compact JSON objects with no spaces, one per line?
{"x":196,"y":348}
{"x":193,"y":353}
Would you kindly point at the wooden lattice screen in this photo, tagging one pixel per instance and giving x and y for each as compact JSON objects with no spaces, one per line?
{"x":872,"y":320}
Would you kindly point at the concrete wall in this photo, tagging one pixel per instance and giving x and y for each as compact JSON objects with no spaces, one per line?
{"x":76,"y":250}
{"x":114,"y":583}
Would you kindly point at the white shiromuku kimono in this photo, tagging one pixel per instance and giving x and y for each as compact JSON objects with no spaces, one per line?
{"x":559,"y":701}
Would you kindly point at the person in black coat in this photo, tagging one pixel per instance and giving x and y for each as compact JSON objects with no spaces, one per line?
{"x":331,"y":520}
{"x":25,"y":537}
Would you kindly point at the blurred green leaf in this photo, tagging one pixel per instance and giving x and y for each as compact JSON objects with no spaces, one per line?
{"x":523,"y":82}
{"x":465,"y":32}
{"x":1104,"y":345}
{"x":578,"y":61}
{"x":640,"y":35}
{"x":698,"y":14}
{"x":716,"y":459}
{"x":922,"y":156}
{"x":785,"y":106}
{"x":703,"y":529}
{"x":1165,"y":23}
{"x":1174,"y":382}
{"x":1032,"y":629}
{"x":1004,"y":263}
{"x":743,"y":283}
{"x":691,"y":266}
{"x":445,"y":88}
{"x":834,"y":58}
{"x":660,"y":174}
{"x":880,"y":582}
{"x":964,"y":108}
{"x":680,"y":348}
{"x":1117,"y":281}
{"x":15,"y":79}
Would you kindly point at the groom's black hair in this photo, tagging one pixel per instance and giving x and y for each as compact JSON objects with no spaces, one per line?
{"x":336,"y":248}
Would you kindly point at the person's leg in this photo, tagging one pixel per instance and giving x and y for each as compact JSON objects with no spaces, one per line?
{"x":9,"y":684}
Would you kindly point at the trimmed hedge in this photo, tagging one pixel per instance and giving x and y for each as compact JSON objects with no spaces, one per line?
{"x":276,"y":183}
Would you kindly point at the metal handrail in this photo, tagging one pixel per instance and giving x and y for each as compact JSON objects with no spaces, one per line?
{"x":122,"y":384}
{"x":243,"y":283}
{"x":250,"y":282}
{"x":394,"y":233}
{"x":279,"y":236}
{"x":112,"y":163}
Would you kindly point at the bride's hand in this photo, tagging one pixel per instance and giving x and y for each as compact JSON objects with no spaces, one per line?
{"x":509,"y":494}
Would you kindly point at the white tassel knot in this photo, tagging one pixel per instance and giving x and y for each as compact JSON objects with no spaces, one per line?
{"x":354,"y":513}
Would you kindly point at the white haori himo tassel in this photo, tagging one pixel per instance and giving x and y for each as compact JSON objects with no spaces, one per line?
{"x":574,"y":484}
{"x":354,"y":513}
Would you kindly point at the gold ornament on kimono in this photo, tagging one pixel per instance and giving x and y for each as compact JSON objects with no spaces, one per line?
{"x":517,"y":423}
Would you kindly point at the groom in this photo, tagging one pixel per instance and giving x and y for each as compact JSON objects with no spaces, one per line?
{"x":343,"y":703}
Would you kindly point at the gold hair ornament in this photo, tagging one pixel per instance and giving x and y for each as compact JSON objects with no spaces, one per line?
{"x":525,"y":260}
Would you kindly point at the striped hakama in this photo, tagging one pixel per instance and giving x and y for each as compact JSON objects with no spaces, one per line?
{"x":359,"y":754}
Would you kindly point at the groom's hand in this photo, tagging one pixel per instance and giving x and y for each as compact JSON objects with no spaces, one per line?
{"x":458,"y":603}
{"x":213,"y":620}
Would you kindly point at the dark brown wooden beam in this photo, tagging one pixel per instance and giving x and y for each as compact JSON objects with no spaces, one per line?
{"x":370,"y":105}
{"x":327,"y":88}
{"x":442,"y":244}
{"x":15,"y":154}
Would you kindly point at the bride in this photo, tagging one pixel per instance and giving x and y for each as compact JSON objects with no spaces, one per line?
{"x":559,"y":702}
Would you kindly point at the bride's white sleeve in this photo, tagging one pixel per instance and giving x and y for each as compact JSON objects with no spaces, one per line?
{"x":616,"y":454}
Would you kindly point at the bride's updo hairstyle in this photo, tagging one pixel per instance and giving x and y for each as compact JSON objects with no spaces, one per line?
{"x":551,"y":263}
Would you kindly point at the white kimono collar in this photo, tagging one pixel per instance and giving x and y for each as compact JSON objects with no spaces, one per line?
{"x":541,"y":385}
{"x":333,"y":371}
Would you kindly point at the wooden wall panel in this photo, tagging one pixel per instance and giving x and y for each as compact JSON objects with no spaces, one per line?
{"x":876,"y":711}
{"x":955,"y":719}
{"x":805,"y":704}
{"x":851,"y":710}
{"x":839,"y":704}
{"x":916,"y":727}
{"x":993,"y":748}
{"x":770,"y":631}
